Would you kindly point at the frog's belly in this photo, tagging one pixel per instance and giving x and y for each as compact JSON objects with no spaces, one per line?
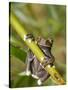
{"x":38,"y":70}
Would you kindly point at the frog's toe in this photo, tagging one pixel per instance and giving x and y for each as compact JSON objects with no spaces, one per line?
{"x":39,"y":82}
{"x":28,"y":73}
{"x":34,"y":76}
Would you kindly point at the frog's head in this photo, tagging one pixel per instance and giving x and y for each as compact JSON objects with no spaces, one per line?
{"x":44,"y":42}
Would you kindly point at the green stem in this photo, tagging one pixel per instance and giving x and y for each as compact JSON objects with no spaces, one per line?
{"x":35,"y":49}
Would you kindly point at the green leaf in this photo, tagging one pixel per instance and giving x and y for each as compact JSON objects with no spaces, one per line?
{"x":17,"y":43}
{"x":16,"y":66}
{"x":17,"y":52}
{"x":24,"y":81}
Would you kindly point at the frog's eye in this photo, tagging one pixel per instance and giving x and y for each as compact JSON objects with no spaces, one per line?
{"x":49,"y":42}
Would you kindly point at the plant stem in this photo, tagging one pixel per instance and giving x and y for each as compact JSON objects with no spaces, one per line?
{"x":18,"y":27}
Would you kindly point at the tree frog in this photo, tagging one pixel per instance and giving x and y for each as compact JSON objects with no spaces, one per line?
{"x":34,"y":67}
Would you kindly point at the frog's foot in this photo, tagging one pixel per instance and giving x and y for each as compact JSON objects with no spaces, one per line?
{"x":22,"y":73}
{"x":48,"y":61}
{"x":39,"y":82}
{"x":51,"y":60}
{"x":28,"y":73}
{"x":30,"y":37}
{"x":34,"y":76}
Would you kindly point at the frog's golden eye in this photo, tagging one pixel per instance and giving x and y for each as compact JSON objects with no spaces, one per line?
{"x":49,"y":42}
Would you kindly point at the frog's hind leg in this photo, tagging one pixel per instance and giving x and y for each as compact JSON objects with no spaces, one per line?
{"x":29,"y":59}
{"x":43,"y":75}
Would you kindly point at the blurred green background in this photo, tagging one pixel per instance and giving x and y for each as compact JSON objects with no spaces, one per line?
{"x":48,"y":21}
